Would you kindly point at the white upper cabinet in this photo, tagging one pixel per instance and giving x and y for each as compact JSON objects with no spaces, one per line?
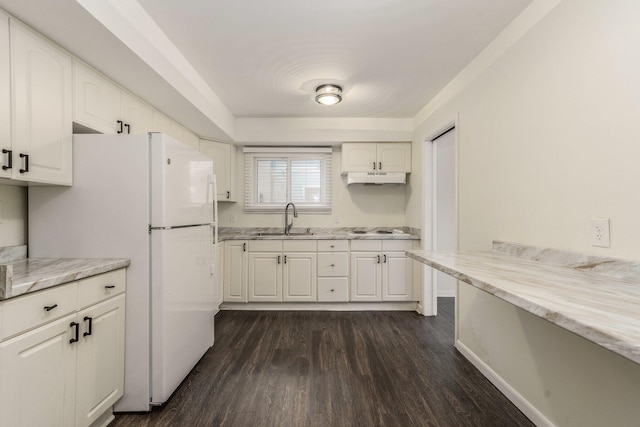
{"x":41,"y":125}
{"x":376,"y":157}
{"x":393,"y":156}
{"x":137,"y":116}
{"x":5,"y":98}
{"x":102,"y":106}
{"x":96,"y":101}
{"x":164,"y":124}
{"x":224,"y":161}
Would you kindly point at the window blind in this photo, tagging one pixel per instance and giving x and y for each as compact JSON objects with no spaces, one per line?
{"x":276,"y":176}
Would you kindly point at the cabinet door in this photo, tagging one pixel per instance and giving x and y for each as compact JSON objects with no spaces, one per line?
{"x":359,"y":157}
{"x":100,"y":381}
{"x":96,"y":101}
{"x":42,"y":108}
{"x":135,"y":113}
{"x":38,"y":377}
{"x":164,"y":124}
{"x":396,"y":277}
{"x":223,"y":166}
{"x":394,"y":156}
{"x":235,"y":271}
{"x":5,"y":98}
{"x":299,"y":276}
{"x":366,"y":269}
{"x":265,"y":277}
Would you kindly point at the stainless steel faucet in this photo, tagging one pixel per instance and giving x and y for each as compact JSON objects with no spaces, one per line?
{"x":287,"y":226}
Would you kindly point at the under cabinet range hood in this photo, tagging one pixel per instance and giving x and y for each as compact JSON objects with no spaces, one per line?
{"x":374,"y":178}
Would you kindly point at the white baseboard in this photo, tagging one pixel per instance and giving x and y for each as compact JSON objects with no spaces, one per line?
{"x":446,"y":293}
{"x":512,"y":394}
{"x":316,"y":306}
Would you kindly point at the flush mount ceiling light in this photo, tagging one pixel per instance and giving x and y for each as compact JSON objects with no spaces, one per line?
{"x":328,"y":94}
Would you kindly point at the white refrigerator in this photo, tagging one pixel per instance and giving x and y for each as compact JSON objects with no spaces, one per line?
{"x":151,"y":199}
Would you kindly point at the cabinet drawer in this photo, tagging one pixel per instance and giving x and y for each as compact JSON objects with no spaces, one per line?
{"x":333,"y":264}
{"x":101,"y":287}
{"x":396,"y":245}
{"x":265,"y":245}
{"x":333,"y":289}
{"x":366,"y":245}
{"x":333,"y":245}
{"x":299,"y":245}
{"x":26,"y":312}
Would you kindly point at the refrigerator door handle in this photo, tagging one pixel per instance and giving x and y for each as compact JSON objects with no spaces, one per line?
{"x":214,"y":220}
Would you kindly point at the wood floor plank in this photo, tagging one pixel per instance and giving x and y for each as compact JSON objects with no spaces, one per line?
{"x":333,"y":369}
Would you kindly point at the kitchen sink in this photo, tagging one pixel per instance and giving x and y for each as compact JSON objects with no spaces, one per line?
{"x":281,"y":233}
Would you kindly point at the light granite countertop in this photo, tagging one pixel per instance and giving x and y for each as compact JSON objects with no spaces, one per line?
{"x":20,"y":277}
{"x":350,"y":233}
{"x":595,"y":298}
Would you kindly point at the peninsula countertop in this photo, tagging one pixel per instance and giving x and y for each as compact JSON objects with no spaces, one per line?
{"x":23,"y":276}
{"x":599,"y":307}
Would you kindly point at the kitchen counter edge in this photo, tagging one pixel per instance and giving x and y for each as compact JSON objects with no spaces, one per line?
{"x":36,"y":274}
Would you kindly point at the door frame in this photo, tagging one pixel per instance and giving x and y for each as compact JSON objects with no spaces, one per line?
{"x":429,"y":234}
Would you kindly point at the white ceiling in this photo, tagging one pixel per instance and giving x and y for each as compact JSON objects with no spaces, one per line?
{"x":264,"y":59}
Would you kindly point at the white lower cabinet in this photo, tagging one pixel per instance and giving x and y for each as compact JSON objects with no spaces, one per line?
{"x":317,"y":270}
{"x":299,"y":276}
{"x":38,"y":381}
{"x":235,"y":271}
{"x":380,"y":271}
{"x":282,"y":270}
{"x":65,"y":365}
{"x":100,"y":361}
{"x":333,"y":270}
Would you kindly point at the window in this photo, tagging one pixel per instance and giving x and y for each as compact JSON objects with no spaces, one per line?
{"x":276,"y":176}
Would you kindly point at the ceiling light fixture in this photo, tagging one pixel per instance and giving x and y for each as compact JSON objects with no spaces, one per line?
{"x":328,"y":94}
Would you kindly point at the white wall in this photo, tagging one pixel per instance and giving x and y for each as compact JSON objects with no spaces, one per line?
{"x":355,"y":205}
{"x":549,"y":138}
{"x":548,"y":135}
{"x":13,"y":229}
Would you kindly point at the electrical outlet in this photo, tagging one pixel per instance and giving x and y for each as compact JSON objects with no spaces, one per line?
{"x":232,"y":217}
{"x":336,"y":219}
{"x":600,"y":235}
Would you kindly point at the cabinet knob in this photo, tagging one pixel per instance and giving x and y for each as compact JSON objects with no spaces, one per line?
{"x":333,"y":246}
{"x":333,"y":265}
{"x":110,"y":286}
{"x":333,"y":290}
{"x":50,"y":307}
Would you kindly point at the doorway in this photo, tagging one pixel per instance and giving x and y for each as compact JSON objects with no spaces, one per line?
{"x":445,"y":230}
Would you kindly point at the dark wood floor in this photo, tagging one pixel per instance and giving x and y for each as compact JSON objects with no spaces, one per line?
{"x":333,"y":369}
